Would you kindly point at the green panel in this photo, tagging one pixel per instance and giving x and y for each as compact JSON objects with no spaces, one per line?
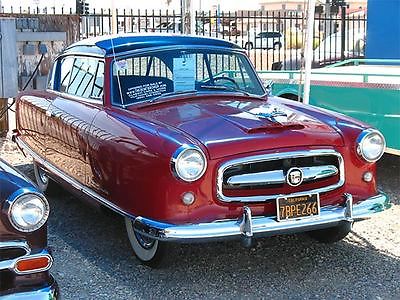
{"x":378,"y":107}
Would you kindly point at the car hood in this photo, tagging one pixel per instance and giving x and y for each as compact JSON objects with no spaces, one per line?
{"x":228,"y":126}
{"x":11,"y":180}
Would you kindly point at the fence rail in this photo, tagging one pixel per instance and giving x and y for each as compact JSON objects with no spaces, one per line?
{"x":273,"y":40}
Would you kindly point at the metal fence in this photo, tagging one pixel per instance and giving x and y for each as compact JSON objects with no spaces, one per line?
{"x":273,"y":40}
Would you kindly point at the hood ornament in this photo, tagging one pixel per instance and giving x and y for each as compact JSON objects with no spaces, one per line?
{"x":274,"y":116}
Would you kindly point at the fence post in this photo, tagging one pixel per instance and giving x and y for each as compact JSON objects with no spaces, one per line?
{"x":343,"y":37}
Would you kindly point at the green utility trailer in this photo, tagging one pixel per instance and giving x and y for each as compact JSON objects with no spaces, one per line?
{"x":365,"y":89}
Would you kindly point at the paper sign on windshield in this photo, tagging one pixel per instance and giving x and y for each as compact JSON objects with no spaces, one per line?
{"x":184,"y":73}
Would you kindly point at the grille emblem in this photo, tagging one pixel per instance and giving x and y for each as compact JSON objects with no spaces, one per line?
{"x":294,"y":177}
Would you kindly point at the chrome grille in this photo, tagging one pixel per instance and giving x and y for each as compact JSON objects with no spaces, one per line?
{"x":264,"y":176}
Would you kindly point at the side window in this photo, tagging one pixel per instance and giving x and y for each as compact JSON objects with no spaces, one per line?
{"x":65,"y":73}
{"x":50,"y":78}
{"x":97,"y":91}
{"x":86,"y":78}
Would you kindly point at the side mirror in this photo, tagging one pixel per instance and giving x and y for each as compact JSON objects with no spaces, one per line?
{"x":268,"y":84}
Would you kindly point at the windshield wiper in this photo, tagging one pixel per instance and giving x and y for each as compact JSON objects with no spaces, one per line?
{"x":172,"y":94}
{"x":224,"y":88}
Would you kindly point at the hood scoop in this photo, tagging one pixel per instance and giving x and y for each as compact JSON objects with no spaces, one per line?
{"x":257,"y":122}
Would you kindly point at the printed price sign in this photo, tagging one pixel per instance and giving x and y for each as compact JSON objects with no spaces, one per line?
{"x":184,"y":73}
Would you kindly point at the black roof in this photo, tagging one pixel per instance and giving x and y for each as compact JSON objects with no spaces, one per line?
{"x":104,"y":45}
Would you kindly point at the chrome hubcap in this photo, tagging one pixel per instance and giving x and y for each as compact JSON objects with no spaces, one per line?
{"x":43,"y":176}
{"x":144,"y":241}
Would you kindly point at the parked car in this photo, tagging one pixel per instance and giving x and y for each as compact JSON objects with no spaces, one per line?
{"x":177,"y":134}
{"x":262,"y":40}
{"x":24,"y":258}
{"x":176,"y":27}
{"x":329,"y":51}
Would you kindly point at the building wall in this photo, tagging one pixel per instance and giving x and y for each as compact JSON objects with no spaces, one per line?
{"x":383,"y":29}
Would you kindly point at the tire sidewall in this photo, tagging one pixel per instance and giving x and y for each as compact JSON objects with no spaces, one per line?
{"x":42,"y":186}
{"x":143,"y":254}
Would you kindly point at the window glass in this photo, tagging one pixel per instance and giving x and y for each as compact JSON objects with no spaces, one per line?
{"x":141,"y":78}
{"x":50,"y":77}
{"x":65,"y":72}
{"x":86,"y":78}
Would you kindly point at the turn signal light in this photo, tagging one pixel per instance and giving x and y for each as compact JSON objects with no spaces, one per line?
{"x":33,"y":264}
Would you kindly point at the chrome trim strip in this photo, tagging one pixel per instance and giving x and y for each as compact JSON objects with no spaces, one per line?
{"x":277,"y":176}
{"x":16,"y":244}
{"x":74,"y":183}
{"x":261,"y":226}
{"x":392,"y":151}
{"x":276,"y":156}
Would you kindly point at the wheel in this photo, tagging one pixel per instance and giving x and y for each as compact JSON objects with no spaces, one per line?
{"x":227,"y":79}
{"x":148,"y":251}
{"x":42,"y":180}
{"x":332,"y":234}
{"x":248,"y":46}
{"x":277,"y":46}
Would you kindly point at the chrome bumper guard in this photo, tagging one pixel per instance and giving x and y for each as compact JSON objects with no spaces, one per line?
{"x":247,"y":226}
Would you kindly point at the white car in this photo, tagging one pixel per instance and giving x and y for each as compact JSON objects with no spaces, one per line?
{"x":263,"y":40}
{"x":329,"y":51}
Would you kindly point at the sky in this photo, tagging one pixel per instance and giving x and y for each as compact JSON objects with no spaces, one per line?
{"x":149,"y":4}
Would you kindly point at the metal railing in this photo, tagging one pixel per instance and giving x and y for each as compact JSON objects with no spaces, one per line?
{"x":273,"y":40}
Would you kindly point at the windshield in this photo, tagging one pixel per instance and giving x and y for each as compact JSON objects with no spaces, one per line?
{"x":153,"y":75}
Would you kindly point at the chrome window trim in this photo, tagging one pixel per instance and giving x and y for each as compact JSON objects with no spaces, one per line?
{"x":276,"y":156}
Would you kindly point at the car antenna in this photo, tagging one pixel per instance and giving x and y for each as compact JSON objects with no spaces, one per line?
{"x":118,"y":79}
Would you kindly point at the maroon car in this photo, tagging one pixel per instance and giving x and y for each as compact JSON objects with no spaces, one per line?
{"x":177,"y":134}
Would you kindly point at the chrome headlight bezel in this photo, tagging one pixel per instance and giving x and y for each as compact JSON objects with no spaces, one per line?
{"x":361,"y":140}
{"x":34,"y":199}
{"x":178,"y":156}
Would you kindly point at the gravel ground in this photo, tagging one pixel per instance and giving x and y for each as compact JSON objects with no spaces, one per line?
{"x":93,"y":259}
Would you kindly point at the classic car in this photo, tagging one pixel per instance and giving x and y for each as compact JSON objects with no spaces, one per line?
{"x":24,"y":258}
{"x":177,"y":134}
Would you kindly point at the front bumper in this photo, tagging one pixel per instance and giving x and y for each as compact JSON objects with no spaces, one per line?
{"x":49,"y":291}
{"x":248,"y":226}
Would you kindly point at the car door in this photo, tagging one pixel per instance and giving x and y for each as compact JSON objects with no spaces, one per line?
{"x":32,"y":119}
{"x":75,"y":103}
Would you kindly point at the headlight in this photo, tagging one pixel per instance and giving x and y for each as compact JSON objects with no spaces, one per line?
{"x":371,"y":145}
{"x":189,"y":163}
{"x":28,"y":212}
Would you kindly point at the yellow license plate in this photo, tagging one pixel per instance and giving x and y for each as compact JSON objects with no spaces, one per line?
{"x":298,"y":207}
